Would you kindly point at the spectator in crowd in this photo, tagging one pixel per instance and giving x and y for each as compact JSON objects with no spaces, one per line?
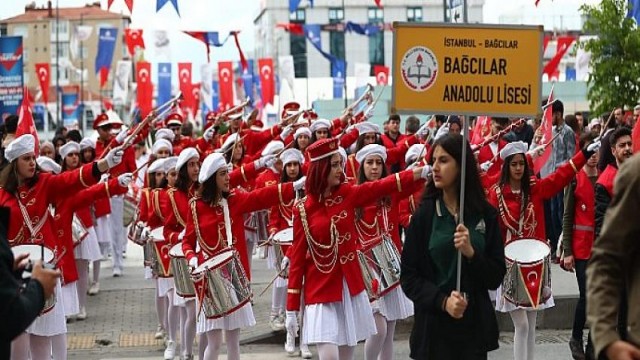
{"x":606,"y":157}
{"x":521,"y":132}
{"x":411,"y":125}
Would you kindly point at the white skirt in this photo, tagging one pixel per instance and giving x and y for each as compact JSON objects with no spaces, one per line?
{"x":148,"y":273}
{"x":164,"y":285}
{"x":103,"y":229}
{"x":505,"y":306}
{"x":341,"y":323}
{"x":53,"y":322}
{"x":394,"y":305}
{"x":88,"y":249}
{"x":179,"y":300}
{"x":271,"y":257}
{"x":239,"y":319}
{"x":70,"y":295}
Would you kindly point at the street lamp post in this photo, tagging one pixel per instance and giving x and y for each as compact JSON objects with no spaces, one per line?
{"x":58,"y":107}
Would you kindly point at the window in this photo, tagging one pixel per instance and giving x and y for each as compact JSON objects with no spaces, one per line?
{"x":376,"y":42}
{"x":63,"y":27}
{"x":336,"y":38}
{"x":25,"y":54}
{"x":21,"y":31}
{"x":3,"y":29}
{"x":298,"y":44}
{"x":414,"y":14}
{"x":85,"y":51}
{"x":62,"y":51}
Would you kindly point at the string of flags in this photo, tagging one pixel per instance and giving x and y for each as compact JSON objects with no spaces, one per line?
{"x":367,"y":29}
{"x":159,"y":5}
{"x":294,"y":4}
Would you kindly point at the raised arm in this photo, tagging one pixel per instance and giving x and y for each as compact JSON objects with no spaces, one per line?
{"x":555,"y":182}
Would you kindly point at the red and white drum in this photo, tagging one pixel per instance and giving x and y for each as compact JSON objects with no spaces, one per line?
{"x":528,"y":279}
{"x":161,"y":260}
{"x":221,"y":283}
{"x":380,"y":266}
{"x":78,"y":231}
{"x":282,"y":240}
{"x":181,"y":272}
{"x":36,"y":252}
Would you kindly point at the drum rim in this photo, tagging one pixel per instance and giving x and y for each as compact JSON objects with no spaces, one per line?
{"x":47,"y":250}
{"x":289,"y":229}
{"x":202,"y":266}
{"x":531,"y":262}
{"x":159,"y":229}
{"x":176,"y":256}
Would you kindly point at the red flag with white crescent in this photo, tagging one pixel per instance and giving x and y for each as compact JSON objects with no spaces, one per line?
{"x":546,"y":129}
{"x":532,"y":276}
{"x":145,"y":87}
{"x":133,"y":38}
{"x":481,"y":130}
{"x":44,"y":77}
{"x":225,"y":80}
{"x":26,"y":125}
{"x":267,"y":80}
{"x":195,"y":96}
{"x":563,"y":45}
{"x":184,"y":76}
{"x":382,"y":74}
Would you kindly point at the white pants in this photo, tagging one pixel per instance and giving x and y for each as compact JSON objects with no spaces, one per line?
{"x":119,"y":237}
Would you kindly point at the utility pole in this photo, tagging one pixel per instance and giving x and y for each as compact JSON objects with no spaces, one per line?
{"x":58,"y":107}
{"x":344,"y":18}
{"x":81,"y":123}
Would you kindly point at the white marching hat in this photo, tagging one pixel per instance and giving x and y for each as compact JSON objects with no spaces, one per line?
{"x":302,"y":131}
{"x":291,"y":155}
{"x":414,"y":151}
{"x":156,"y":166}
{"x":371,"y":149}
{"x":272,"y":147}
{"x":87,"y":143}
{"x":229,"y":142}
{"x":211,"y":164}
{"x":69,"y":148}
{"x":21,"y":145}
{"x":170,"y":163}
{"x":159,"y":144}
{"x":165,"y":134}
{"x":368,"y":128}
{"x":48,"y":165}
{"x":186,"y":155}
{"x":320,"y":124}
{"x":512,"y":148}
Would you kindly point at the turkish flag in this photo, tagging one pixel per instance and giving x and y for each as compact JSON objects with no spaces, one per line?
{"x":145,"y":87}
{"x":184,"y":76}
{"x":267,"y":80}
{"x":481,"y":130}
{"x":225,"y":78}
{"x":44,"y":77}
{"x":26,"y":125}
{"x":546,"y":129}
{"x":532,"y":276}
{"x":195,"y":96}
{"x":133,"y":38}
{"x":563,"y":45}
{"x":382,"y":74}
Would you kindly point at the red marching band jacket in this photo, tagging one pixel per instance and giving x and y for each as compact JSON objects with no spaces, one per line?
{"x":584,"y":217}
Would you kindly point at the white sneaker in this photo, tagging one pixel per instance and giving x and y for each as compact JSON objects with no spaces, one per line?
{"x":276,"y":323}
{"x":82,"y":315}
{"x":170,"y":351}
{"x":117,"y":272}
{"x":94,"y":289}
{"x":290,"y":345}
{"x":159,"y":333}
{"x":305,"y":352}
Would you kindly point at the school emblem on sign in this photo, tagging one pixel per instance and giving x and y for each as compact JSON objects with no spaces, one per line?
{"x":419,"y":68}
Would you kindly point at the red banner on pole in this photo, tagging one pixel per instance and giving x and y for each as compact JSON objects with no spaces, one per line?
{"x":133,"y":38}
{"x":225,"y":78}
{"x":382,"y":74}
{"x":267,"y":81}
{"x":184,"y":76}
{"x":145,"y":87}
{"x":44,"y":77}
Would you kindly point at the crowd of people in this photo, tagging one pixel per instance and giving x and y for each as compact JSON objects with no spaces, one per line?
{"x":361,"y":225}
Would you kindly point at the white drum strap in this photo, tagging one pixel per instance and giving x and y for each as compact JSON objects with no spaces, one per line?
{"x":27,"y":219}
{"x":227,"y":221}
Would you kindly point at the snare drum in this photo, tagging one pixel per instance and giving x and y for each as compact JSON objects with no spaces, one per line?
{"x":380,"y":266}
{"x":138,"y":233}
{"x":160,"y":253}
{"x":129,"y":209}
{"x":181,"y":272}
{"x":221,"y":284}
{"x":281,"y":242}
{"x":35,"y":253}
{"x":527,"y":282}
{"x":78,"y":231}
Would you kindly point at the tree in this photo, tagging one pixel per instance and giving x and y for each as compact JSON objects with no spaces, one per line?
{"x":615,"y":55}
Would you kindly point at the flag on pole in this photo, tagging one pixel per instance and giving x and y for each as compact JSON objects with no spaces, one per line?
{"x":225,"y":78}
{"x":634,"y":10}
{"x":133,"y":38}
{"x":338,"y":70}
{"x":145,"y":87}
{"x":44,"y":77}
{"x":184,"y":78}
{"x":382,"y":74}
{"x":546,"y":129}
{"x":26,"y":125}
{"x":267,"y":81}
{"x":563,"y":45}
{"x":106,"y":46}
{"x":481,"y":130}
{"x":164,"y":82}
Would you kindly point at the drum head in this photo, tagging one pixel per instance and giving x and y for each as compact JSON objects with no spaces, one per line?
{"x":34,"y":251}
{"x":156,"y":234}
{"x":214,"y":262}
{"x":176,"y":251}
{"x":526,"y":250}
{"x":284,"y":236}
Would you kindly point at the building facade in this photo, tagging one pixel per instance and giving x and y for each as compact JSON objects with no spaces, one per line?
{"x":354,"y":48}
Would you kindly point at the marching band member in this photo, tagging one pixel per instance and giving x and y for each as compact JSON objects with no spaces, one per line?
{"x":28,"y":192}
{"x":337,"y":313}
{"x":518,"y":197}
{"x":218,"y":212}
{"x":301,"y":140}
{"x":320,"y":129}
{"x":372,"y":223}
{"x":414,"y":157}
{"x":449,"y":325}
{"x":490,"y":154}
{"x":281,"y":218}
{"x":188,"y":167}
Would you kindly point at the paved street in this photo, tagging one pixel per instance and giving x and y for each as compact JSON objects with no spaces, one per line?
{"x":122,"y":321}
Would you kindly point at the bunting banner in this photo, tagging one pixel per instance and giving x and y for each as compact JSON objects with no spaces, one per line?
{"x":243,"y":60}
{"x":11,"y":75}
{"x":44,"y":78}
{"x":129,"y":4}
{"x":247,"y":81}
{"x":195,"y":98}
{"x":546,"y":129}
{"x":79,"y":34}
{"x":26,"y":124}
{"x":162,"y":45}
{"x":145,"y":87}
{"x":267,"y":83}
{"x":133,"y":39}
{"x":225,"y":79}
{"x":367,"y":29}
{"x":382,"y":75}
{"x":338,"y":74}
{"x":206,"y":90}
{"x":286,"y":75}
{"x":121,"y":82}
{"x":164,"y":82}
{"x":208,"y":38}
{"x":563,"y":45}
{"x":363,"y":29}
{"x":70,"y":107}
{"x":184,"y":78}
{"x":215,"y":95}
{"x":161,"y":3}
{"x":106,"y":46}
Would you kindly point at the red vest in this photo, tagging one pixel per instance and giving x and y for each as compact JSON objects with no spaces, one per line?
{"x":607,"y":178}
{"x":584,"y":217}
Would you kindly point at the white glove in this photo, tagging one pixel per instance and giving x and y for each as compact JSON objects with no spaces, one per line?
{"x":193,"y":263}
{"x":286,"y":132}
{"x":369,"y":114}
{"x":125,"y":179}
{"x":114,"y":157}
{"x":594,"y":146}
{"x":122,"y":135}
{"x":423,"y":131}
{"x":485,"y":166}
{"x":285,"y":263}
{"x":209,"y":133}
{"x":444,"y":130}
{"x":181,"y":235}
{"x":426,"y":171}
{"x":536,"y":151}
{"x":104,"y":178}
{"x":351,"y":127}
{"x":265,"y":161}
{"x":291,"y":323}
{"x":299,"y":184}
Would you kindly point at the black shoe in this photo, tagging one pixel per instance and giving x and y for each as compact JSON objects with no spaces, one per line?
{"x":577,"y":349}
{"x":589,"y":352}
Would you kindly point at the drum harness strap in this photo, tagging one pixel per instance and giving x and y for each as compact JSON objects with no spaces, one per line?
{"x":331,"y":249}
{"x":27,"y":220}
{"x":174,"y":206}
{"x":504,"y":210}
